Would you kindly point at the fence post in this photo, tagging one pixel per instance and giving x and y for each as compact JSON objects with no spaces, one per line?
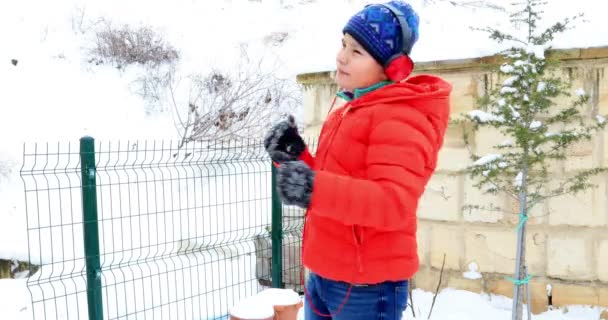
{"x":277,"y":234}
{"x":90,"y":225}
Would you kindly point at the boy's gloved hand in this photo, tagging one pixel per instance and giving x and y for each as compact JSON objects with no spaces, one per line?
{"x":283,"y":142}
{"x":294,"y":183}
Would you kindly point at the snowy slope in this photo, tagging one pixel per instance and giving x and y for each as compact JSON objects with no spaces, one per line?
{"x":53,"y":94}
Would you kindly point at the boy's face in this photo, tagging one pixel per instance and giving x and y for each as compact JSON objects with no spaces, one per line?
{"x":356,"y":68}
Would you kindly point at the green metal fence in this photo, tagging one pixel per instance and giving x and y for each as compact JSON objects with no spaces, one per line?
{"x":147,"y":230}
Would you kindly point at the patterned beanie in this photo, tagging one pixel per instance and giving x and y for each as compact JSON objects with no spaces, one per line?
{"x":378,"y":30}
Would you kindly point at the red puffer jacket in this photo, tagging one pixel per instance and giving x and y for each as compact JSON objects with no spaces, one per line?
{"x":375,"y":157}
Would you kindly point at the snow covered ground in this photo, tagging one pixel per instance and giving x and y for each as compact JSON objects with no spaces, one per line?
{"x":464,"y":305}
{"x":450,"y":305}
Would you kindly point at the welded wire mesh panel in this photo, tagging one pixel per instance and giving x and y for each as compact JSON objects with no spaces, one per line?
{"x":57,"y":282}
{"x":179,"y":226}
{"x":180,"y":229}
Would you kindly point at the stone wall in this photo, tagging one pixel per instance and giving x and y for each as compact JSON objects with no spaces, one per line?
{"x":567,"y":241}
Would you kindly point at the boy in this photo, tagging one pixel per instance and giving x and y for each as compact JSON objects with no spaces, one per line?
{"x":375,"y":156}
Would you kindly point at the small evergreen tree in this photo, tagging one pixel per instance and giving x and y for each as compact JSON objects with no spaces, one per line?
{"x":538,"y":131}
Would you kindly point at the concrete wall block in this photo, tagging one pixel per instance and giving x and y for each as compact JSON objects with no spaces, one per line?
{"x":537,"y":290}
{"x":491,"y":207}
{"x":572,"y":294}
{"x":423,"y":239}
{"x":584,"y":209}
{"x":465,"y":91}
{"x":601,"y":256}
{"x":602,"y":92}
{"x":441,"y":200}
{"x":457,"y":281}
{"x":494,"y":250}
{"x":446,"y":240}
{"x":486,"y":138}
{"x":452,"y":160}
{"x":537,"y":215}
{"x":569,"y":256}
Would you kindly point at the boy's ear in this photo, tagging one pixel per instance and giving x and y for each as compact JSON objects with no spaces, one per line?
{"x":400,"y":68}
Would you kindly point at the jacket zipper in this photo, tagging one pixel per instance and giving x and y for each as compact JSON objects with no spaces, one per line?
{"x":358,"y":241}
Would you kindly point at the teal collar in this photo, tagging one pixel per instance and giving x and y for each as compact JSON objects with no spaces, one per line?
{"x":350,"y":96}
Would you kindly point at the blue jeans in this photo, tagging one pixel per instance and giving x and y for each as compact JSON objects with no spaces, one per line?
{"x":386,"y":300}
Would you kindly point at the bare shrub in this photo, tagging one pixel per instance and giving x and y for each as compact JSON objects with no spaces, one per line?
{"x":223,"y":106}
{"x":124,"y":46}
{"x":152,"y":84}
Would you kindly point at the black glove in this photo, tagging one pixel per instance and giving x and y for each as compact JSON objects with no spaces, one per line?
{"x":283,"y":142}
{"x":294,"y":183}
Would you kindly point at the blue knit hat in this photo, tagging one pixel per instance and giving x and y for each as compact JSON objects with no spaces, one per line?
{"x":378,"y":30}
